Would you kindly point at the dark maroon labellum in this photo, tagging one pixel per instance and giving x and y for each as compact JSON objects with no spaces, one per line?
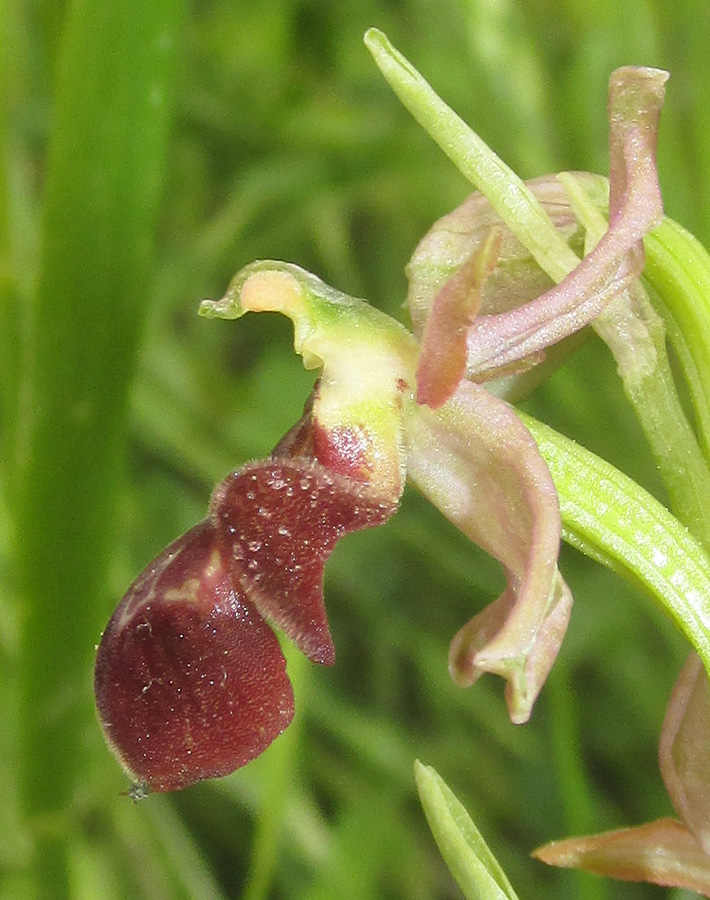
{"x":279,"y":521}
{"x":190,"y":681}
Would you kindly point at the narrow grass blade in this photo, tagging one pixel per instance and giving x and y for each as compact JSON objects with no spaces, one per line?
{"x":476,"y":870}
{"x":103,"y":186}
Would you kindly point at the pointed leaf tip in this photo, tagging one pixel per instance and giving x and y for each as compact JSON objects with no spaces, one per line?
{"x":470,"y":861}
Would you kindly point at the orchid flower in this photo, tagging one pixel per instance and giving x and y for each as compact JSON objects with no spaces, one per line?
{"x":190,"y":679}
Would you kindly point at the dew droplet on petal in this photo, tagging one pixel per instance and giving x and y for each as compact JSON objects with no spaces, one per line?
{"x":311,"y":510}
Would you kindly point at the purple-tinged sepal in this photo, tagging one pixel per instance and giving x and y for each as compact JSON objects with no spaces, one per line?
{"x":475,"y":460}
{"x":442,"y":360}
{"x":517,"y":278}
{"x":684,"y":750}
{"x":663,"y":852}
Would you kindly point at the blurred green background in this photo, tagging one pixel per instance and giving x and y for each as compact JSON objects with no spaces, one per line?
{"x":147,"y":151}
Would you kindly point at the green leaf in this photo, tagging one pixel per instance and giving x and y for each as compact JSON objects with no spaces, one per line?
{"x":475,"y":869}
{"x":103,"y":182}
{"x":610,"y":518}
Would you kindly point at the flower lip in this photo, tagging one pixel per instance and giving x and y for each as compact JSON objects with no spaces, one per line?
{"x":278,"y":522}
{"x":190,"y":681}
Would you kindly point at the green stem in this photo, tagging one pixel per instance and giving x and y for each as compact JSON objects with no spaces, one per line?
{"x":678,"y":270}
{"x":636,"y":336}
{"x":674,"y":446}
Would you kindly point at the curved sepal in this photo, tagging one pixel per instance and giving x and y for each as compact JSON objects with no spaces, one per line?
{"x":480,"y":466}
{"x":662,"y":852}
{"x":684,"y":749}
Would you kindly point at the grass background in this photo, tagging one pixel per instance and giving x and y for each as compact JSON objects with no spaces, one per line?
{"x":147,"y":151}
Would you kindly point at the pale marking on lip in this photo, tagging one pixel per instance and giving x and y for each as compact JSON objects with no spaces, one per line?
{"x":187,"y":592}
{"x":214,"y":565}
{"x":135,"y":605}
{"x":148,"y":686}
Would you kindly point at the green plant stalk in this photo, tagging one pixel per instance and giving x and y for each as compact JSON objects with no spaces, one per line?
{"x":103,"y":185}
{"x":636,"y":336}
{"x":678,"y":269}
{"x":610,"y":518}
{"x":674,"y":446}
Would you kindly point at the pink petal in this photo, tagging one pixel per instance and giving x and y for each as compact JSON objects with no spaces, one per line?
{"x":662,"y":852}
{"x":684,"y":751}
{"x":442,"y":362}
{"x":460,"y":234}
{"x":190,"y":681}
{"x":480,"y":466}
{"x":636,"y":97}
{"x":278,"y":521}
{"x":635,"y":100}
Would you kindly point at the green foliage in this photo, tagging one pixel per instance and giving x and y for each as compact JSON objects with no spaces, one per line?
{"x":467,"y":855}
{"x":145,"y":156}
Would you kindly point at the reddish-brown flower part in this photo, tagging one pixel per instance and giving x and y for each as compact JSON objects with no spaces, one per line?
{"x":278,"y":521}
{"x":190,"y":681}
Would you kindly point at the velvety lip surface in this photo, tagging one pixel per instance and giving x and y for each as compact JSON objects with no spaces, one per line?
{"x":190,"y":680}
